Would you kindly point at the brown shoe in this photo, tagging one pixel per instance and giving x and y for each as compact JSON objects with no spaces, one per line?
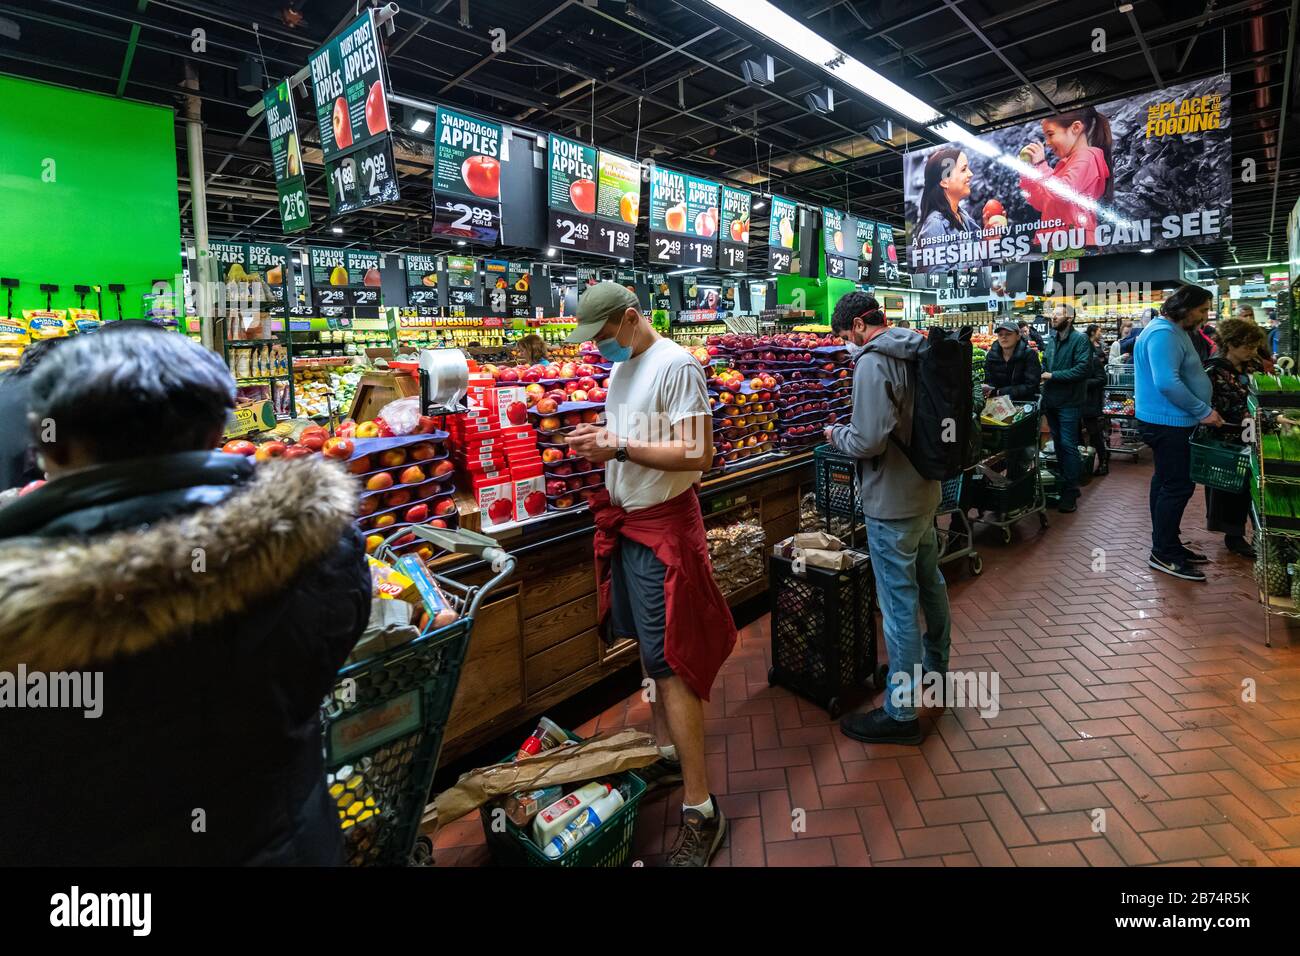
{"x":699,"y":838}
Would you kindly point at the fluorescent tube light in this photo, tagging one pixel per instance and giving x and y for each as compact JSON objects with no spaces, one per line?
{"x":420,"y":125}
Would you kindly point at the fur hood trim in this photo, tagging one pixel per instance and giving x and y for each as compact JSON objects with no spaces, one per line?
{"x":69,"y":603}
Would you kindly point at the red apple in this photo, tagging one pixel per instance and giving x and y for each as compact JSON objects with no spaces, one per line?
{"x":445,"y":506}
{"x":379,"y":482}
{"x":392,"y":458}
{"x":534,"y":503}
{"x":342,"y":124}
{"x":269,"y":450}
{"x":507,"y":375}
{"x":357,"y":467}
{"x":239,"y":447}
{"x":423,"y":451}
{"x":338,"y":447}
{"x":583,"y":194}
{"x":482,"y":174}
{"x":376,"y":109}
{"x":417,"y":513}
{"x":395,"y":499}
{"x":547,"y":406}
{"x":555,"y":488}
{"x":411,"y":476}
{"x":297,"y":451}
{"x":444,"y":467}
{"x":596,"y":395}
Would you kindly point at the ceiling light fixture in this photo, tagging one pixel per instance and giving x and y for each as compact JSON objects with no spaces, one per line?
{"x":419,"y":125}
{"x":337,"y":230}
{"x":779,"y":27}
{"x":1146,"y":251}
{"x":460,"y":242}
{"x":551,"y":252}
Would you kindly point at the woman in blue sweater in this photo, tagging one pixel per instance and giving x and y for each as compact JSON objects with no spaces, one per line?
{"x":1173,"y":395}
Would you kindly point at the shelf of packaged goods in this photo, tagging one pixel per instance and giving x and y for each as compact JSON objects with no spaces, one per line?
{"x":251,"y":343}
{"x":746,"y":593}
{"x":262,"y":379}
{"x":323,"y":361}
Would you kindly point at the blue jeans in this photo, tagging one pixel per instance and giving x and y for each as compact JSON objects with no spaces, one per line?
{"x":905,"y":559}
{"x":1064,"y":423}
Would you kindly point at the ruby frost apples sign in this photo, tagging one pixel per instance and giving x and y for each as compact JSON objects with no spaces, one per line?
{"x":349,"y":85}
{"x":1149,"y":171}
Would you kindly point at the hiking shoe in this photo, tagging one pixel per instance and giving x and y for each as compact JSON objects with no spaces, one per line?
{"x":877,"y":727}
{"x":699,"y":838}
{"x":1195,"y":557}
{"x":662,"y":773}
{"x":1178,"y":569}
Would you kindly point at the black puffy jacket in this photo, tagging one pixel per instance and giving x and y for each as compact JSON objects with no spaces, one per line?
{"x":217,"y":601}
{"x":1093,"y":398}
{"x":1019,"y":377}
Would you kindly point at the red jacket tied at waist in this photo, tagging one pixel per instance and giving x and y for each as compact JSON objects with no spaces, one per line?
{"x":699,"y":632}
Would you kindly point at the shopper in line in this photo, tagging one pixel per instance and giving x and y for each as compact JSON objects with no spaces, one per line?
{"x":1125,"y":328}
{"x":1127,"y":343}
{"x":1230,"y":370}
{"x":1274,"y":334}
{"x":215,"y":600}
{"x":652,"y":558}
{"x":899,"y":507}
{"x":1066,"y":363}
{"x":1172,"y":396}
{"x":1031,"y":334}
{"x":17,"y":452}
{"x":1094,"y":425}
{"x":1011,"y":367}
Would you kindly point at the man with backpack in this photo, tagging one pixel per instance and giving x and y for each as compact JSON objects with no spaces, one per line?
{"x":1066,"y":363}
{"x":899,"y":506}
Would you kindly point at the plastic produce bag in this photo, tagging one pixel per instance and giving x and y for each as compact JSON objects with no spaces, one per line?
{"x":402,"y":416}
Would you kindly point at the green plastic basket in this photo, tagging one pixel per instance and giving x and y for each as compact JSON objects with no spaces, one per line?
{"x":608,"y":846}
{"x":1219,"y":464}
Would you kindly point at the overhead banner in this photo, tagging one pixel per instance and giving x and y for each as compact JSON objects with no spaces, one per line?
{"x":286,"y":157}
{"x":467,"y":158}
{"x":848,"y":251}
{"x":259,"y":273}
{"x":618,"y":203}
{"x":1149,"y":171}
{"x":866,"y":243}
{"x":519,"y":276}
{"x":733,"y":245}
{"x":344,"y":278}
{"x":683,"y":219}
{"x":423,"y":289}
{"x":349,"y":83}
{"x":887,"y":259}
{"x":783,"y":238}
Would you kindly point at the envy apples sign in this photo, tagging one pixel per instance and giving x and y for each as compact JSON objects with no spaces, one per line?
{"x":348,"y":84}
{"x":467,"y":177}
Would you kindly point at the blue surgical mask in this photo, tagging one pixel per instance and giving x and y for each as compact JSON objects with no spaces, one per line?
{"x":611,"y":349}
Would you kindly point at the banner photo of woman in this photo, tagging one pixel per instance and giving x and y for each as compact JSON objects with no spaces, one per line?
{"x":1148,"y":171}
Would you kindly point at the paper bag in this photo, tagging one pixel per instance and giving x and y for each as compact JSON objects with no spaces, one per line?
{"x":600,"y":756}
{"x":999,"y":408}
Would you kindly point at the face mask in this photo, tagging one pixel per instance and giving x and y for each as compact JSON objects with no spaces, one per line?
{"x":611,"y":349}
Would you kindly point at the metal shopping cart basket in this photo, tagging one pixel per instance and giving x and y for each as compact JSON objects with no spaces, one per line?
{"x":957,"y":540}
{"x":383,"y":725}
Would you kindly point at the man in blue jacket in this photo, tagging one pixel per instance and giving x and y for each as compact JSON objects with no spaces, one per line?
{"x":1172,"y":394}
{"x":1066,"y":358}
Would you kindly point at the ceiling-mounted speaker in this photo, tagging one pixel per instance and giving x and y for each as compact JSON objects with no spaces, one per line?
{"x":820,"y":101}
{"x":882,"y":132}
{"x":760,"y":72}
{"x":250,"y":76}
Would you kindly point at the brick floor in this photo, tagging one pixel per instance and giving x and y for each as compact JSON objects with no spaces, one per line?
{"x":1120,"y":692}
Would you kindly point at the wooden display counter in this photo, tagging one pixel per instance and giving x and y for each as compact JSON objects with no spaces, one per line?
{"x":535,"y":642}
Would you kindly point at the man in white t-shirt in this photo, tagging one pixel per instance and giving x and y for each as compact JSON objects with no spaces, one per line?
{"x":651,"y":553}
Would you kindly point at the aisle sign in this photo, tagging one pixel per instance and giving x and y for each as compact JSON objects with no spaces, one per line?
{"x":467,"y":177}
{"x":733,"y":248}
{"x":253,"y":273}
{"x":783,"y":238}
{"x":592,"y":197}
{"x":286,"y":157}
{"x":349,"y":86}
{"x":683,"y":219}
{"x":344,"y":278}
{"x":423,"y":289}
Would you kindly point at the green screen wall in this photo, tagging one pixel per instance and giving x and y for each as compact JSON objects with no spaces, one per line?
{"x":88,"y":196}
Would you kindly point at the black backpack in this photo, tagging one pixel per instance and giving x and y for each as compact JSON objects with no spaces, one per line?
{"x":945,"y":437}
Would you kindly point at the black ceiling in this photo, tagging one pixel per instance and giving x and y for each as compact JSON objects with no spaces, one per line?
{"x":667,"y":83}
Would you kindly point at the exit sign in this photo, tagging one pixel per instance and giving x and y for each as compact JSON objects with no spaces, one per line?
{"x":1069,"y":265}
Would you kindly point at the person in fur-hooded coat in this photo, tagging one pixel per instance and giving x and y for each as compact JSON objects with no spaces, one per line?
{"x":188,"y":610}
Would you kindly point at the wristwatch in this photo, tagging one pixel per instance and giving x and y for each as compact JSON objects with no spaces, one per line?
{"x":621,"y":454}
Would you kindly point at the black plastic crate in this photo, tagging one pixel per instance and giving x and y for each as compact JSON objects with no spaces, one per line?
{"x":824,"y":643}
{"x":836,"y":483}
{"x":1003,"y":500}
{"x":1019,"y":434}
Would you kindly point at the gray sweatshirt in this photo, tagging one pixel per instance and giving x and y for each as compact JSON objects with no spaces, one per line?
{"x":890,"y":487}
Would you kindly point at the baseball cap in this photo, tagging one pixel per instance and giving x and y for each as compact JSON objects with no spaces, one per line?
{"x":1008,"y":325}
{"x":600,"y":303}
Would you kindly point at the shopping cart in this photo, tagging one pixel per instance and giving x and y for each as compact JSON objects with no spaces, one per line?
{"x":383,"y":725}
{"x":1003,"y":505}
{"x":957,"y":540}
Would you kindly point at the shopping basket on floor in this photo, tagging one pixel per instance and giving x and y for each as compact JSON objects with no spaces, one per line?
{"x":1217,"y":463}
{"x":383,"y":725}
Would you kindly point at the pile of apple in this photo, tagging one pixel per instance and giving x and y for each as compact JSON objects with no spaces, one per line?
{"x":311,"y":440}
{"x":554,"y":374}
{"x":407,"y":485}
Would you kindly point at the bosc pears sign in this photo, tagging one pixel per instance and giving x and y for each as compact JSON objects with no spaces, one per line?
{"x":467,"y":177}
{"x":349,"y":86}
{"x":286,"y":157}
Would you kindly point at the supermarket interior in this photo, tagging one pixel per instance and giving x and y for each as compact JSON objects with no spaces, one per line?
{"x":595,"y":433}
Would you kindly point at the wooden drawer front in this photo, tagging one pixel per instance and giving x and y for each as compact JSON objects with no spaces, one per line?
{"x":545,"y":630}
{"x":558,"y":662}
{"x":556,"y":588}
{"x":618,"y":652}
{"x":780,"y":503}
{"x":491,"y":679}
{"x":778,"y":528}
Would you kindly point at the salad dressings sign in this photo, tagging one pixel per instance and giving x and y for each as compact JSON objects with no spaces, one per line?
{"x":348,"y":83}
{"x":683,"y":219}
{"x":344,"y":278}
{"x":422,"y":285}
{"x":467,"y":177}
{"x":733,"y":248}
{"x":888,"y":257}
{"x":286,"y":157}
{"x":255,"y":275}
{"x":570,"y":193}
{"x":460,"y":281}
{"x":783,"y":238}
